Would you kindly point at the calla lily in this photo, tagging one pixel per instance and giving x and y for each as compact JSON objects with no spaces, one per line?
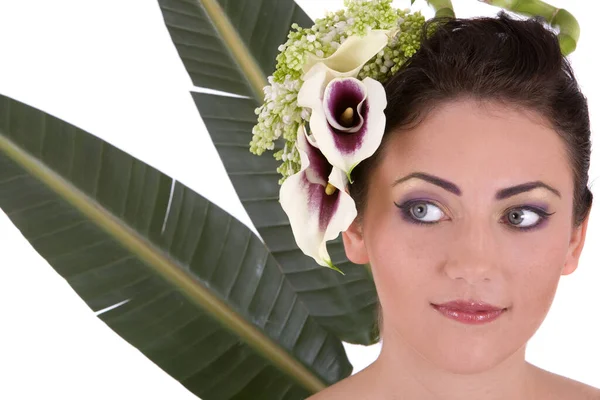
{"x":352,"y":55}
{"x":316,"y":202}
{"x":347,"y":119}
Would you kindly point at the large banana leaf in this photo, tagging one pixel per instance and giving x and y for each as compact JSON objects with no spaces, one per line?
{"x":231,"y":46}
{"x":195,"y":290}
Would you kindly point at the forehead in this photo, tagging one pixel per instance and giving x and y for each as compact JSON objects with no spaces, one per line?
{"x":471,"y":142}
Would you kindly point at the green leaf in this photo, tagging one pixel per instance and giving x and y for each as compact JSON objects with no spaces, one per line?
{"x":230,"y":45}
{"x":219,"y":57}
{"x":197,"y":292}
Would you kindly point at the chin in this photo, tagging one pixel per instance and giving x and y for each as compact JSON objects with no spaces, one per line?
{"x":462,"y":350}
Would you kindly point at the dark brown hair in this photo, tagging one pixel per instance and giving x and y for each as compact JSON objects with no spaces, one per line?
{"x":516,"y":62}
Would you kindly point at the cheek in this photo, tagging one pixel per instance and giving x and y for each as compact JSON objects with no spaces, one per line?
{"x":402,"y":261}
{"x":536,"y":263}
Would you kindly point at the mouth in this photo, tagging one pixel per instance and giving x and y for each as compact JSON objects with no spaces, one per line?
{"x":470,"y":312}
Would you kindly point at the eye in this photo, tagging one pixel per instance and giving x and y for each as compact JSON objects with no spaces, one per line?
{"x":423,"y":212}
{"x":526,"y":217}
{"x":420,"y":212}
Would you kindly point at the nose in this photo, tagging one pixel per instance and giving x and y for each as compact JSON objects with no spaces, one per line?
{"x":473,"y":256}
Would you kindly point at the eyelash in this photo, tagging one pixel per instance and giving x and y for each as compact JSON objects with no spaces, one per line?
{"x":406,"y":214}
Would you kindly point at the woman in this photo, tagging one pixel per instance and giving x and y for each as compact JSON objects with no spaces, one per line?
{"x":470,"y":211}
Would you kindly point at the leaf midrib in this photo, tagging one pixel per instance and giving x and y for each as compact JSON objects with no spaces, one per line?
{"x":238,"y":50}
{"x":165,"y":266}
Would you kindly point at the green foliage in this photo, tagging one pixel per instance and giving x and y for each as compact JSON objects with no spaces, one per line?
{"x":198,"y":293}
{"x":280,"y":116}
{"x":345,"y":305}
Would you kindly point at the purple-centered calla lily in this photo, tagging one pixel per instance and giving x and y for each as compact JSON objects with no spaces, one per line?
{"x":316,"y":202}
{"x":347,"y":119}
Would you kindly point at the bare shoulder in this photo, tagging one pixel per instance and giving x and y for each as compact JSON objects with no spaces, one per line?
{"x":338,"y":391}
{"x":550,"y":386}
{"x":331,"y":393}
{"x":353,"y":387}
{"x":561,"y":387}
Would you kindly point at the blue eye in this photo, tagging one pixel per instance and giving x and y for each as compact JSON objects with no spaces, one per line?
{"x":420,"y":212}
{"x":526,"y":217}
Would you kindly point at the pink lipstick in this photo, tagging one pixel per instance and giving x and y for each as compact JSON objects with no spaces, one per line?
{"x":469,"y":312}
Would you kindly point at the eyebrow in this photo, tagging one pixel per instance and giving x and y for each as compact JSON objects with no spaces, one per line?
{"x":500,"y":194}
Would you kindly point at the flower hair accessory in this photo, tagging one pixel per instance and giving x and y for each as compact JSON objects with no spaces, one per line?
{"x":326,"y":101}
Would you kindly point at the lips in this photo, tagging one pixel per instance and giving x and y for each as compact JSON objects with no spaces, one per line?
{"x":469,"y":306}
{"x":470,"y":311}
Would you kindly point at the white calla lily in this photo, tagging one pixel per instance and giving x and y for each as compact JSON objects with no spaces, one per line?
{"x":352,"y":55}
{"x":316,"y":202}
{"x":347,"y":119}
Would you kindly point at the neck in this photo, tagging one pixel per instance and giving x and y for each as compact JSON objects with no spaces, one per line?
{"x":401,"y":372}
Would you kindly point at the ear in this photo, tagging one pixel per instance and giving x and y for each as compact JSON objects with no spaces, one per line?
{"x":354,"y":243}
{"x":575,"y":247}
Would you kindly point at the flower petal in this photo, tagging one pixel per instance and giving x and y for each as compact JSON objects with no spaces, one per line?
{"x":342,"y":217}
{"x":312,"y":161}
{"x":315,"y":216}
{"x":341,"y":94}
{"x":345,"y":150}
{"x":311,"y":93}
{"x":350,"y":57}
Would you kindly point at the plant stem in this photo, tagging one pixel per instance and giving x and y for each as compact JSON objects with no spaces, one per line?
{"x":556,"y":17}
{"x":443,"y":8}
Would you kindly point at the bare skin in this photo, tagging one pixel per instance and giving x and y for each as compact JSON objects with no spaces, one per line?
{"x":469,"y":250}
{"x":366,"y":385}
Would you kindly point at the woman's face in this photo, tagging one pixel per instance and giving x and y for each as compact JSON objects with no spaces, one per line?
{"x":482,"y":241}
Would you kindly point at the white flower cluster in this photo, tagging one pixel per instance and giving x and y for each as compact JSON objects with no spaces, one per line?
{"x":280,"y":116}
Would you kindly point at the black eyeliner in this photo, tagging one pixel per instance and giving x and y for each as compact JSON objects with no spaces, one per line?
{"x":406,"y":215}
{"x":542,"y":213}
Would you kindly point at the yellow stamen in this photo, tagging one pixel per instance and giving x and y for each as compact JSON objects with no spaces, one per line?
{"x":330,"y":189}
{"x":347,"y":117}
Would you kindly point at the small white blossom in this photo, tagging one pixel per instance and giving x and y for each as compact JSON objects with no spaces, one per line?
{"x":280,"y":115}
{"x":341,"y":25}
{"x":305,"y":114}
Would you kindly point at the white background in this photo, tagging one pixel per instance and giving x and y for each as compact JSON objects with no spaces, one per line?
{"x":110,"y":68}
